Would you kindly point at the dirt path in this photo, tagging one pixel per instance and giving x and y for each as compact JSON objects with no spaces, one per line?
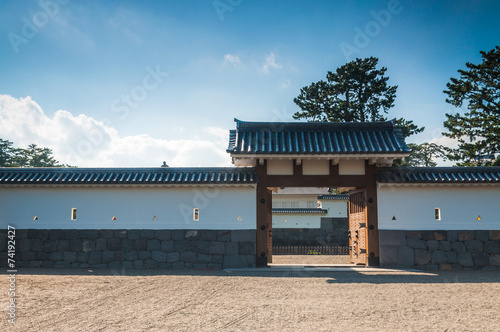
{"x":70,"y":300}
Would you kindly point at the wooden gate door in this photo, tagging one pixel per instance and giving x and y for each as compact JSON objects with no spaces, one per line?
{"x":357,"y":227}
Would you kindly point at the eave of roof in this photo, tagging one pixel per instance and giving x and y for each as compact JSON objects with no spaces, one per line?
{"x":299,"y":211}
{"x":316,"y":138}
{"x":439,"y":175}
{"x":333,"y":197}
{"x":128,"y":176}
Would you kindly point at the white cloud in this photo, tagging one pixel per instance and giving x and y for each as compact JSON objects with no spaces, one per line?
{"x":285,"y":84}
{"x":231,"y":59}
{"x":85,"y":142}
{"x":270,"y":63}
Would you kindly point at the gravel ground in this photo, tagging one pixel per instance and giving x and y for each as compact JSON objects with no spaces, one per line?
{"x":188,"y":300}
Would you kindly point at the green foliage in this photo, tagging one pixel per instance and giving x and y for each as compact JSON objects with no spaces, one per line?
{"x":478,"y":130}
{"x":423,"y":155}
{"x":355,"y":92}
{"x":33,"y":156}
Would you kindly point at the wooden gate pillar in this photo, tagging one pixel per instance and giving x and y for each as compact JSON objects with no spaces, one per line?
{"x":264,"y":218}
{"x":372,"y":215}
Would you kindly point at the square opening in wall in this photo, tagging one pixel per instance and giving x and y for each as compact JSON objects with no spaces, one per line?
{"x":196,"y":214}
{"x":437,"y":214}
{"x":73,"y":213}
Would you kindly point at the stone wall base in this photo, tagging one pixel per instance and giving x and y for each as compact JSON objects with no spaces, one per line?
{"x":440,"y":250}
{"x":201,"y":249}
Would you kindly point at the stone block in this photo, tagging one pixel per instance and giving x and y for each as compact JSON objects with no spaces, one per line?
{"x":24,"y":245}
{"x":492,"y":247}
{"x":445,"y":267}
{"x":440,"y":235}
{"x":452,"y":236}
{"x":200,"y":266}
{"x":153,"y":245}
{"x":131,"y":255}
{"x":243,"y":235}
{"x":88,"y":245}
{"x":159,"y":256}
{"x":35,"y":264}
{"x":134,"y":234}
{"x":164,"y":265}
{"x":120,"y":255}
{"x":70,"y":234}
{"x":99,"y":266}
{"x":144,"y":254}
{"x":489,"y":268}
{"x":115,"y":265}
{"x":474,"y":246}
{"x":218,"y":259}
{"x":56,"y":234}
{"x":181,"y":245}
{"x":406,"y":256}
{"x":247,"y":248}
{"x":42,"y":256}
{"x":173,"y":257}
{"x":88,"y":234}
{"x":458,"y":247}
{"x":217,"y":248}
{"x":188,"y":257}
{"x":69,"y":256}
{"x":223,"y":236}
{"x":95,"y":257}
{"x":167,"y":246}
{"x":235,"y":261}
{"x":100,"y":244}
{"x":108,"y":256}
{"x":127,"y":245}
{"x":140,"y":244}
{"x":22,"y":233}
{"x":114,"y":244}
{"x":495,"y":235}
{"x":42,"y":234}
{"x":451,"y":256}
{"x":481,"y":235}
{"x":208,"y":235}
{"x":480,"y":259}
{"x":127,"y":265}
{"x":432,"y":267}
{"x":444,"y":246}
{"x":138,"y":264}
{"x":388,"y":255}
{"x":178,"y":265}
{"x":56,"y":256}
{"x":75,"y":245}
{"x":465,"y":259}
{"x":82,"y":257}
{"x":456,"y":267}
{"x":416,"y":243}
{"x":120,"y":234}
{"x":178,"y":235}
{"x":428,"y":235}
{"x":203,"y":247}
{"x":192,"y":235}
{"x":163,"y":234}
{"x":465,"y":235}
{"x":392,"y":238}
{"x":188,"y":265}
{"x":422,"y":257}
{"x":48,"y":264}
{"x":494,"y":260}
{"x":49,"y":246}
{"x":62,"y":265}
{"x":232,"y":248}
{"x":432,"y":245}
{"x":202,"y":258}
{"x":147,"y":234}
{"x":36,"y":245}
{"x":28,"y":256}
{"x":415,"y":234}
{"x":439,"y":257}
{"x":106,"y":233}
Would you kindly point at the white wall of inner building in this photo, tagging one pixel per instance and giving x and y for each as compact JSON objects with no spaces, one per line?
{"x":297,"y":220}
{"x":412,"y":207}
{"x":225,"y":208}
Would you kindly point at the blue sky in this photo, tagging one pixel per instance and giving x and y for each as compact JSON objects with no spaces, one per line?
{"x":133,"y":83}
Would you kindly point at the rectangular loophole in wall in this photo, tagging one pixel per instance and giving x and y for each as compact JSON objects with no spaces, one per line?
{"x":437,"y":214}
{"x":196,"y":214}
{"x":73,"y":213}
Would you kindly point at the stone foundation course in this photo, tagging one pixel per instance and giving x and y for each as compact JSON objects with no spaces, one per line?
{"x":117,"y":249}
{"x":441,"y":250}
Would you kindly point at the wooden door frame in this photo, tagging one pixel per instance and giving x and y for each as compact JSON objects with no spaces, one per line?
{"x":264,"y":203}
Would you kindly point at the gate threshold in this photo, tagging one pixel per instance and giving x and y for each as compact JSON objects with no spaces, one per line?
{"x":318,"y":268}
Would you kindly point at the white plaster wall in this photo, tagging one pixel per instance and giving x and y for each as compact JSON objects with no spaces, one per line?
{"x":413,"y":207}
{"x":227,"y":208}
{"x":297,"y":220}
{"x":335,"y":209}
{"x":301,"y":200}
{"x":279,"y":167}
{"x":316,"y":167}
{"x":352,"y":167}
